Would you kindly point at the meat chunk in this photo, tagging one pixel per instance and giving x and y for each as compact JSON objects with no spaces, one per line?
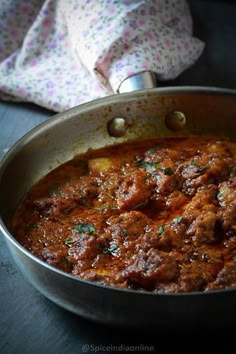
{"x":83,"y":249}
{"x":227,"y":200}
{"x":165,"y":184}
{"x":228,"y":215}
{"x":203,"y":228}
{"x":227,"y":192}
{"x":205,"y":199}
{"x":134,"y":192}
{"x":207,"y":167}
{"x":145,"y":270}
{"x":57,"y":257}
{"x":175,"y":200}
{"x":167,"y":240}
{"x":190,"y":171}
{"x":72,"y":194}
{"x":196,"y":276}
{"x":127,"y":227}
{"x":230,"y":247}
{"x":54,"y":206}
{"x":84,"y":188}
{"x":83,"y":246}
{"x":225,"y":278}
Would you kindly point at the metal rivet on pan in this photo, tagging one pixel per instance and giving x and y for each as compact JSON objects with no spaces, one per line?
{"x":175,"y":120}
{"x":117,"y":127}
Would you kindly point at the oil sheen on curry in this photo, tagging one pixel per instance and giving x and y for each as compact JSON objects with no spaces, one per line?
{"x":157,"y":215}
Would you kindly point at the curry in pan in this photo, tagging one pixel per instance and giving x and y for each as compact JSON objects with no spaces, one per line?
{"x":157,"y":215}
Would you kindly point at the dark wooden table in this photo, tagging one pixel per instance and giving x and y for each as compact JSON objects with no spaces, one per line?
{"x":29,"y":323}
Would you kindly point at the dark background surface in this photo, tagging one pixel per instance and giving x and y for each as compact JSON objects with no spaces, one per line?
{"x":29,"y":323}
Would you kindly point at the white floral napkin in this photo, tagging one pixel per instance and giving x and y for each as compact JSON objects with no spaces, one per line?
{"x":60,"y":53}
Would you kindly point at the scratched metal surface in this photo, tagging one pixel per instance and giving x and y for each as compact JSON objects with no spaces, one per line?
{"x":29,"y":323}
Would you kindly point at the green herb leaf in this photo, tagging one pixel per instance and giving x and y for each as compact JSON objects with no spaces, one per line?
{"x":168,"y":171}
{"x":112,"y":249}
{"x":161,"y":229}
{"x":177,"y":219}
{"x":85,"y":228}
{"x":194,"y":162}
{"x":149,"y":166}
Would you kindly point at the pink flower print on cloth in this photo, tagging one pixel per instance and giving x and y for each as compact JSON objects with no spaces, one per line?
{"x":61,"y":53}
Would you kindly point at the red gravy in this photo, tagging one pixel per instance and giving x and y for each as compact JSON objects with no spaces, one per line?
{"x":157,"y":215}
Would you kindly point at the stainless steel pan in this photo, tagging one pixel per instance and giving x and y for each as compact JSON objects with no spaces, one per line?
{"x":146,"y":113}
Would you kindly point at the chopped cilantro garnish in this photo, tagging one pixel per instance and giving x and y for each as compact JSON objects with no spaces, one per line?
{"x":161,"y":229}
{"x":168,"y":171}
{"x":112,"y":249}
{"x":194,"y":162}
{"x":177,"y":219}
{"x":85,"y":228}
{"x":148,"y":165}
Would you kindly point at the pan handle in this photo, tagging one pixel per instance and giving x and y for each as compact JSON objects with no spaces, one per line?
{"x":140,"y":81}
